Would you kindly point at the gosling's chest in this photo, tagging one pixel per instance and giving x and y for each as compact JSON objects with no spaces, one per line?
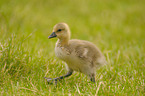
{"x":62,"y":52}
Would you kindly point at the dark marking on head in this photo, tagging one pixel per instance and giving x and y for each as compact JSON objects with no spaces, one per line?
{"x":59,"y":30}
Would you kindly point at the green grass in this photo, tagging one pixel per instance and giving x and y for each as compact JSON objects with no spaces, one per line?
{"x":117,"y":27}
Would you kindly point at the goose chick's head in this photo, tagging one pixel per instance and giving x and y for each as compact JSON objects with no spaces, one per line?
{"x":60,"y":31}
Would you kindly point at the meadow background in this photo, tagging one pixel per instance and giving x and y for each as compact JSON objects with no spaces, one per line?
{"x":117,"y":27}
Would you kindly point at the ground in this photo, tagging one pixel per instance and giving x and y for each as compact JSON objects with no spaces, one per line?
{"x":117,"y":27}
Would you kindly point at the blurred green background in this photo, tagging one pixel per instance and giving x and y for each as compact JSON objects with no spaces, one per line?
{"x":117,"y":27}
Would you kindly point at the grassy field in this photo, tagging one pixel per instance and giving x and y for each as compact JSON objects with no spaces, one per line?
{"x":117,"y":27}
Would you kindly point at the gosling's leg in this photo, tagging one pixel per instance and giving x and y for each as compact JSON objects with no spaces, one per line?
{"x":93,"y":79}
{"x":51,"y":80}
{"x":92,"y":76}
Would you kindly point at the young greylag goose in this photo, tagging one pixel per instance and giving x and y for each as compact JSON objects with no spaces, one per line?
{"x":79,"y":55}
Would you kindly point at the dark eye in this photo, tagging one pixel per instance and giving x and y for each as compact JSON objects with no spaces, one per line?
{"x":59,"y":30}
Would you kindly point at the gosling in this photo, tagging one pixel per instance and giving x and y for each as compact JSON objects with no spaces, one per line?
{"x":79,"y":55}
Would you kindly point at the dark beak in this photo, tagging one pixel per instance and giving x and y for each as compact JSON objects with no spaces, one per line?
{"x":52,"y":35}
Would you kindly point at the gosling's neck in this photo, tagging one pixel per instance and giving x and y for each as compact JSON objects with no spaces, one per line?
{"x":63,"y":41}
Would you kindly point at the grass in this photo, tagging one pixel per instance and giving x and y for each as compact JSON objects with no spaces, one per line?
{"x":117,"y":27}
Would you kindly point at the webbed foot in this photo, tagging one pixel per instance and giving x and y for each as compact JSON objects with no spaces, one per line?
{"x":51,"y":80}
